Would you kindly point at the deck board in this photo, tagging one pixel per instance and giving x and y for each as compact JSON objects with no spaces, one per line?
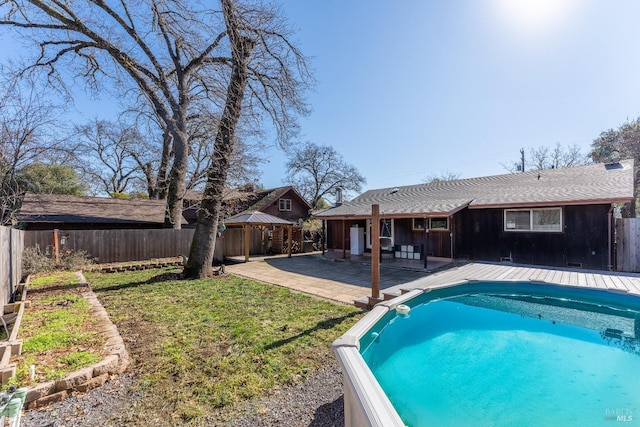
{"x":631,"y":283}
{"x":487,"y":271}
{"x":615,"y":282}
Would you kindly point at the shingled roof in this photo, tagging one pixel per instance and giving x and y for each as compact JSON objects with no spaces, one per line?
{"x":590,"y":184}
{"x":256,"y":218}
{"x":256,"y":200}
{"x":54,"y":208}
{"x":272,"y":195}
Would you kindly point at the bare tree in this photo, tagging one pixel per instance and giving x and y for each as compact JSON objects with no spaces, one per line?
{"x":245,"y":157}
{"x":26,"y":135}
{"x":153,"y":153}
{"x":264,"y":66}
{"x":444,"y":176}
{"x":544,"y":157}
{"x":176,"y":54}
{"x":317,"y":171}
{"x":106,"y":154}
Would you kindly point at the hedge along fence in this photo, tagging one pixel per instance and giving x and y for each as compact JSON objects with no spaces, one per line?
{"x":11,"y":247}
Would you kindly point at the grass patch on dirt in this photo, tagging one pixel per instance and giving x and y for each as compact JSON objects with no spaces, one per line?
{"x":201,"y":346}
{"x":59,"y":334}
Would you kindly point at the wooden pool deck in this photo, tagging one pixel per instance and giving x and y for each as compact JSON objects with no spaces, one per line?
{"x":614,"y":281}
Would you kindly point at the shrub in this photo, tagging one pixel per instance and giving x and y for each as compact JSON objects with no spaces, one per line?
{"x":73,"y":260}
{"x":34,"y":261}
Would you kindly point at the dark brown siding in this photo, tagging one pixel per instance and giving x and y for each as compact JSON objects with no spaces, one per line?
{"x":338,"y":233}
{"x":298,"y":208}
{"x":438,"y":242}
{"x":584,"y":242}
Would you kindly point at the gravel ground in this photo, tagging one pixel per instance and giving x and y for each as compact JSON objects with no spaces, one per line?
{"x":316,"y":402}
{"x":94,"y":408}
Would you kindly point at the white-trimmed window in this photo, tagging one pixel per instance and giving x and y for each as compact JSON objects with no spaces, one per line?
{"x":284,"y":204}
{"x":539,"y":220}
{"x":438,"y":223}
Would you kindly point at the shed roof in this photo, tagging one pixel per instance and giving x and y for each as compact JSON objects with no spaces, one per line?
{"x":256,"y":218}
{"x":590,"y":184}
{"x":55,"y":208}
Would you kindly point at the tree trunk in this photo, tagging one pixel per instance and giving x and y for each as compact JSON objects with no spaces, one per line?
{"x":158,"y":190}
{"x":176,"y":191}
{"x":200,"y":262}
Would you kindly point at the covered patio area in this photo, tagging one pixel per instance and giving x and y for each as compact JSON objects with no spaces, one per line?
{"x":260,"y":220}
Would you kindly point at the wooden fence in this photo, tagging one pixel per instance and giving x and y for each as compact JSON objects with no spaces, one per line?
{"x":11,"y":246}
{"x":136,"y":245}
{"x":628,"y":245}
{"x":113,"y":245}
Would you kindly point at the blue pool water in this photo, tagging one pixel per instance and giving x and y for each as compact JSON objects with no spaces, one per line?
{"x":489,"y":359}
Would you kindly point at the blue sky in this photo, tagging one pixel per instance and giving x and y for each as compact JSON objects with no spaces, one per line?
{"x":417,"y":88}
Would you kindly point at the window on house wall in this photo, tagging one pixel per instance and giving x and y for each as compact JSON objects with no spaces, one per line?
{"x":418,"y":223}
{"x":439,"y":223}
{"x":540,"y":220}
{"x":284,"y":204}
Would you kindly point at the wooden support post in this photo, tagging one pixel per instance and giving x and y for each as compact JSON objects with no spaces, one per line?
{"x":323,"y":238}
{"x":247,"y":239}
{"x":289,"y":237}
{"x":262,"y":228}
{"x":56,"y":248}
{"x":426,"y":241}
{"x":344,"y":239}
{"x":375,"y":251}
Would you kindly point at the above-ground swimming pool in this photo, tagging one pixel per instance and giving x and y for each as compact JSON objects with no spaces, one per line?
{"x":495,"y":354}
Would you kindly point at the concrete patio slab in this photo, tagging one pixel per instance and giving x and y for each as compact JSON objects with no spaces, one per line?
{"x":346,"y":281}
{"x":314,"y":274}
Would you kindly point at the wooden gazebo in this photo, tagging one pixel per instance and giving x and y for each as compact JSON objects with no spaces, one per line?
{"x":248,"y":220}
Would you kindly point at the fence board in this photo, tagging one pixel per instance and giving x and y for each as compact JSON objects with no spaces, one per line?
{"x":11,"y":246}
{"x":628,"y":244}
{"x":143,"y":244}
{"x":138,"y":245}
{"x":115,"y":245}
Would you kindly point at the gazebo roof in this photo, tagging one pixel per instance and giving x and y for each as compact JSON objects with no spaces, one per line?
{"x":255,"y":218}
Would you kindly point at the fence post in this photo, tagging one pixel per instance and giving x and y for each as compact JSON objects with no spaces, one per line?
{"x":11,"y":255}
{"x":55,"y":246}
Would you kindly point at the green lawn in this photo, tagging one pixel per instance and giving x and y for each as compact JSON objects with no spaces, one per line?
{"x":200,"y":346}
{"x":59,"y":334}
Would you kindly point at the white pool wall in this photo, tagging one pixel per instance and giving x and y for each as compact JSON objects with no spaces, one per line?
{"x":365,"y":403}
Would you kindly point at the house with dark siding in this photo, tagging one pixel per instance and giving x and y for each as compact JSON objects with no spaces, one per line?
{"x":556,"y":217}
{"x":283,"y":202}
